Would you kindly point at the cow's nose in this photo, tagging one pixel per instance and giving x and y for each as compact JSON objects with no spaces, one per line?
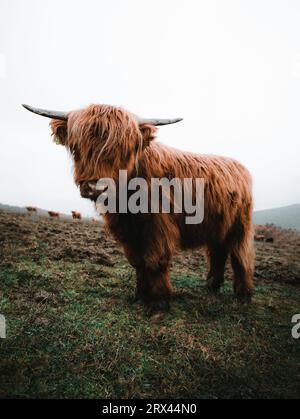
{"x":85,"y":190}
{"x":89,"y":190}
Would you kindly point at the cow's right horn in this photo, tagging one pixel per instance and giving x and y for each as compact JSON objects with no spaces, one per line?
{"x":158,"y":122}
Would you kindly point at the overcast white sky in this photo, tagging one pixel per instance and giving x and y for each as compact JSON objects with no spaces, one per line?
{"x":230,"y":68}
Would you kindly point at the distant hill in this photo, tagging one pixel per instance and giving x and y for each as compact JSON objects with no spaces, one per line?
{"x":22,"y":210}
{"x":285,"y":217}
{"x":10,"y":208}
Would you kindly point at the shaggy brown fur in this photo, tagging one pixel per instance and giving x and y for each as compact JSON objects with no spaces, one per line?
{"x":104,"y":139}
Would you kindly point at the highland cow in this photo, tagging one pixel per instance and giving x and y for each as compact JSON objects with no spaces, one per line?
{"x":31,"y":209}
{"x":76,"y":215}
{"x":53,"y":214}
{"x":103,"y":140}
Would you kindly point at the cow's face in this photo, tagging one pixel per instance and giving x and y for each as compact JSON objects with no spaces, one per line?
{"x":102,"y":140}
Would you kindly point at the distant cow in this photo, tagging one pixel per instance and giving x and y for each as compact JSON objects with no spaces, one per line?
{"x":31,"y":209}
{"x":53,"y":214}
{"x":76,"y":215}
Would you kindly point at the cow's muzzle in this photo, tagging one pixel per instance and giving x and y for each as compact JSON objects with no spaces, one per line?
{"x":89,"y":189}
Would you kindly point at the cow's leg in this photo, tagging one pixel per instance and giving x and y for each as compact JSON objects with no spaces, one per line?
{"x":217,"y":257}
{"x":150,"y":252}
{"x":141,"y":290}
{"x":242,"y":260}
{"x":154,"y":288}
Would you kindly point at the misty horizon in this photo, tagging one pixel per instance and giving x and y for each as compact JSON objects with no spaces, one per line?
{"x":232,"y":71}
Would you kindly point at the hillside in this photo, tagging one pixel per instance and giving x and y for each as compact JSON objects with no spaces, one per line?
{"x":13,"y":209}
{"x":22,"y":210}
{"x":72,"y":331}
{"x":285,"y":217}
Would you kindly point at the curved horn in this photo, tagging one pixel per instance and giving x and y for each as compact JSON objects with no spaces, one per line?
{"x":62,"y":116}
{"x":158,"y":122}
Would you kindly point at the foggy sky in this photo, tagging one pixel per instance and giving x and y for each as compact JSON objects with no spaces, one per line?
{"x":230,"y":68}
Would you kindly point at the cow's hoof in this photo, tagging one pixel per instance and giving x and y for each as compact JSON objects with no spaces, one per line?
{"x":244,"y":298}
{"x":138,"y":298}
{"x":213,"y":286}
{"x":158,"y":308}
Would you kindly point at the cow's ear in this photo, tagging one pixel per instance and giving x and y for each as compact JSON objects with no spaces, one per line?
{"x":148,"y":133}
{"x":59,"y":131}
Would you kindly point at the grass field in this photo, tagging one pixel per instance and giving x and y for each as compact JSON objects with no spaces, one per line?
{"x":72,"y":331}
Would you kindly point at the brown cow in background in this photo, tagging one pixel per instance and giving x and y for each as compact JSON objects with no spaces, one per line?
{"x":76,"y":215}
{"x":53,"y":214}
{"x":103,"y":140}
{"x":32,"y":209}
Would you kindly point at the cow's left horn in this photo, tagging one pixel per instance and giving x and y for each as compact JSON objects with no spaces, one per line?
{"x":158,"y":122}
{"x":62,"y":116}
